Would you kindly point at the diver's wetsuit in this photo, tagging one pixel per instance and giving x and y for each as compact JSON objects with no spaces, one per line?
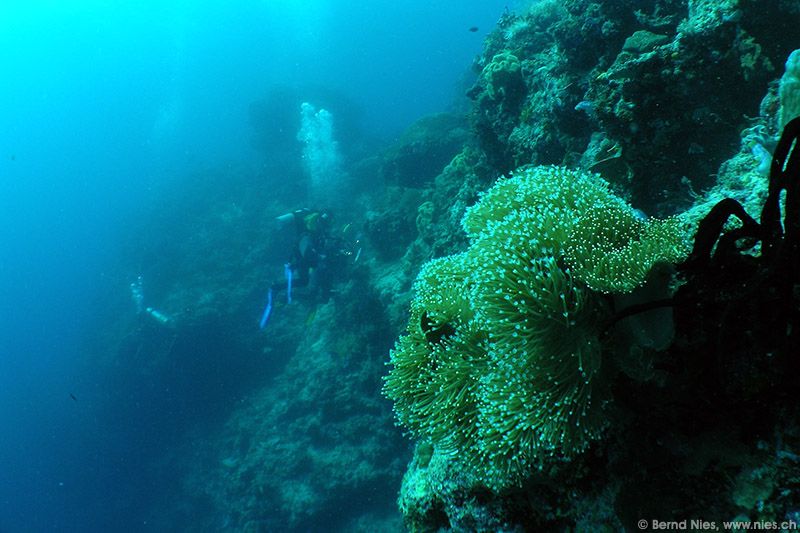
{"x":308,"y":254}
{"x":315,"y":254}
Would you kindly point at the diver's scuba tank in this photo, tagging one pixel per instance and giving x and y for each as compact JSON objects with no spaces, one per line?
{"x":297,"y":216}
{"x":284,"y":219}
{"x":137,"y":294}
{"x":158,"y":316}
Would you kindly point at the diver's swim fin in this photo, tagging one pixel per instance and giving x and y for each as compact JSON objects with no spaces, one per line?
{"x":287,"y":271}
{"x":267,"y":311}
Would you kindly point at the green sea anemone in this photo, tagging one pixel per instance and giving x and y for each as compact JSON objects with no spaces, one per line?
{"x":502,"y":362}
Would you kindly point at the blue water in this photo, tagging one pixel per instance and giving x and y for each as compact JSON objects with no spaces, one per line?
{"x":102,"y":107}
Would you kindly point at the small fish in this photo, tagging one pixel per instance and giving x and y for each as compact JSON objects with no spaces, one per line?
{"x":13,"y":157}
{"x":473,"y":29}
{"x":74,"y":399}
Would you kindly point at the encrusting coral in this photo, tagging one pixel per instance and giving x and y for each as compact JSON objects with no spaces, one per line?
{"x":789,"y":90}
{"x":503,"y":76}
{"x":501,"y":365}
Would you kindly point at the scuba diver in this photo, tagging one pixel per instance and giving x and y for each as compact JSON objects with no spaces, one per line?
{"x":315,"y":258}
{"x":137,"y":295}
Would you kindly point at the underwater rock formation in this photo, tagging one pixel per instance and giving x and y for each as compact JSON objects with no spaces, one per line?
{"x":642,"y":73}
{"x":706,"y":427}
{"x":789,"y":90}
{"x":656,"y":96}
{"x":313,"y":441}
{"x":547,"y":377}
{"x":424,"y":149}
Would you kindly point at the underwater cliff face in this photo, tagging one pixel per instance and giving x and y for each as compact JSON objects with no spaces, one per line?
{"x":678,"y":105}
{"x":147,"y":148}
{"x":636,"y":80}
{"x":565,"y":301}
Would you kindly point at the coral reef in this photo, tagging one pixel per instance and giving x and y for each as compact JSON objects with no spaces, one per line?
{"x":419,"y":155}
{"x":622,"y":90}
{"x":280,"y":427}
{"x":307,"y":445}
{"x":554,"y":372}
{"x":789,"y":90}
{"x":633,"y":71}
{"x":709,"y":430}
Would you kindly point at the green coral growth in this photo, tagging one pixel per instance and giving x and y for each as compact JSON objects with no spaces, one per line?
{"x":503,"y":75}
{"x":501,"y":365}
{"x":612,"y":250}
{"x":789,"y":90}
